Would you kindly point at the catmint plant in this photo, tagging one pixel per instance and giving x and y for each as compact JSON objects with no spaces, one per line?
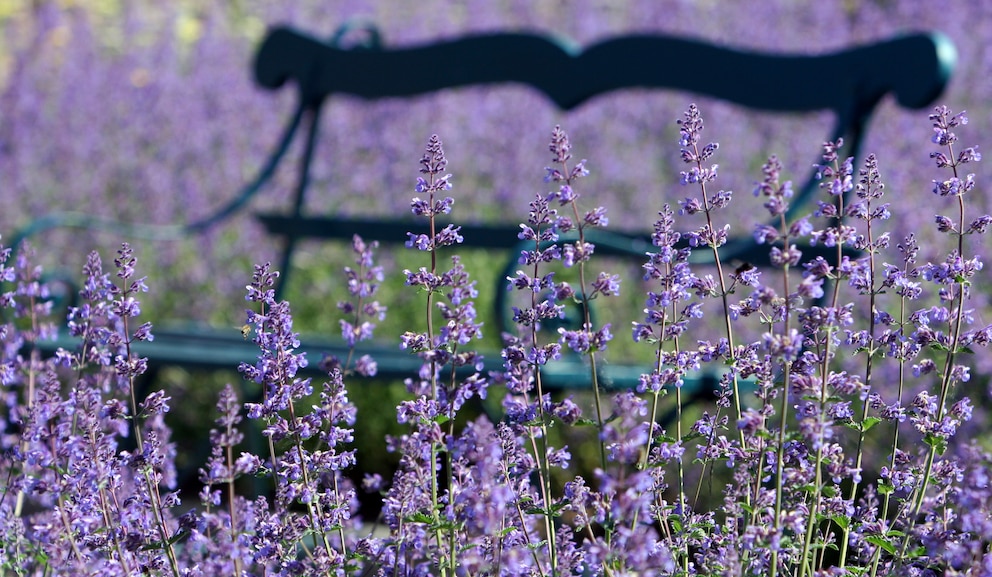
{"x":87,"y":503}
{"x":303,"y":475}
{"x":709,"y":235}
{"x":943,"y":327}
{"x":421,"y":506}
{"x":216,"y":535}
{"x":848,"y":460}
{"x":309,"y":471}
{"x":362,"y":286}
{"x":25,"y":382}
{"x":587,"y":339}
{"x":525,"y":355}
{"x":669,"y":309}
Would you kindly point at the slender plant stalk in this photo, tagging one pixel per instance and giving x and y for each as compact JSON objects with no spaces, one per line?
{"x":32,"y":378}
{"x":584,"y":301}
{"x":784,"y":402}
{"x":884,"y":513}
{"x":724,"y":299}
{"x":873,"y":292}
{"x":946,"y":376}
{"x":155,"y":495}
{"x":435,"y":393}
{"x":231,"y":497}
{"x":541,"y":448}
{"x":825,"y":357}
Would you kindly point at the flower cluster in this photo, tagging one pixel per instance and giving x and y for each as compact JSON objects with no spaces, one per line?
{"x":836,"y":444}
{"x":362,"y":286}
{"x":90,"y":468}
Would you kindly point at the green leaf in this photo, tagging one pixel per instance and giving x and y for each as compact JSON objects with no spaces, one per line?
{"x":446,"y":526}
{"x":765,"y":435}
{"x":853,"y":425}
{"x":586,"y":423}
{"x":885,"y":487}
{"x":690,"y":436}
{"x":818,"y":546}
{"x":842,"y":521}
{"x":880,"y":542}
{"x":870,"y":422}
{"x":178,"y":536}
{"x":537,"y":546}
{"x":420,"y":518}
{"x":938,"y":444}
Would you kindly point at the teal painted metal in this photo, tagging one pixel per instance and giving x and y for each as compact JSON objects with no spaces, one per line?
{"x":914,"y":69}
{"x":861,"y":76}
{"x":751,"y":79}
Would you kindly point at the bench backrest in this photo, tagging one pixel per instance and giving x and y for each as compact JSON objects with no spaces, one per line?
{"x":850,"y":83}
{"x":915,"y":68}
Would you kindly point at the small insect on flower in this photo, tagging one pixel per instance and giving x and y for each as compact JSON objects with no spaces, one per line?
{"x":245,"y":331}
{"x":743,"y":268}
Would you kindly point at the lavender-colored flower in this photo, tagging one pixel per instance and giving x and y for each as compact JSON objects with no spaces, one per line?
{"x":363,"y":284}
{"x":776,"y":193}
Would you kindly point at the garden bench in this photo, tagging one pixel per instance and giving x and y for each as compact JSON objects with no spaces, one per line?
{"x":850,"y":83}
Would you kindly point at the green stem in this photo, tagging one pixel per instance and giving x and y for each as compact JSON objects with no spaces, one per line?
{"x":895,"y":441}
{"x":587,"y":326}
{"x":946,"y":377}
{"x":724,"y":298}
{"x":435,"y":393}
{"x":783,"y":406}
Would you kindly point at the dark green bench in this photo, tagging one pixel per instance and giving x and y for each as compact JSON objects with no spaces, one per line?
{"x":851,"y":83}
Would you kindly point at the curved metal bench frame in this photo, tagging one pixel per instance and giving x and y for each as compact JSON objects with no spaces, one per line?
{"x":851,"y":83}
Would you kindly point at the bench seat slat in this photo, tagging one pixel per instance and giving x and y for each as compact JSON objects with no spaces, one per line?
{"x":226,"y":350}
